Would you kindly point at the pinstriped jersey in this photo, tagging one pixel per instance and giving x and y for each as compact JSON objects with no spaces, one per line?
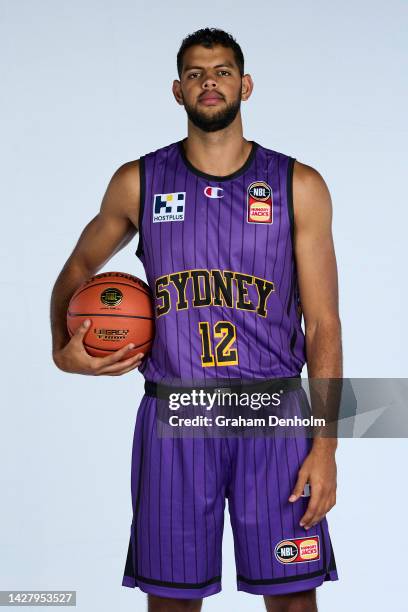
{"x":218,"y":256}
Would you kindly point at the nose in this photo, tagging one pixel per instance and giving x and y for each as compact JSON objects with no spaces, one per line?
{"x":209,"y":83}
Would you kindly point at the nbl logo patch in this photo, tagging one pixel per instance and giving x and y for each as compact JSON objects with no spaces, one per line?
{"x":298,"y":550}
{"x":259,"y":203}
{"x":169,"y":206}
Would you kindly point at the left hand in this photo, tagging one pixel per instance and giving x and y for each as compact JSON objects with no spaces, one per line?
{"x":319,"y":470}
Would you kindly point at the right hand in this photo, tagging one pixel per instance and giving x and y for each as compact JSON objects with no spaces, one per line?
{"x":74,"y":358}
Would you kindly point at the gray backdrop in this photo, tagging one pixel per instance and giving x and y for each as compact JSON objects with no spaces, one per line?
{"x":86,"y":86}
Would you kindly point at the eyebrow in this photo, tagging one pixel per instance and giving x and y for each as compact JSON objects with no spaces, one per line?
{"x":227,"y":64}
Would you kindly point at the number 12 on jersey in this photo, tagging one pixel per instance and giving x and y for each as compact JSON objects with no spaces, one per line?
{"x":222,"y":354}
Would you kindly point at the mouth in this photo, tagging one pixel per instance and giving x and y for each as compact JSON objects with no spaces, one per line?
{"x":211,"y":99}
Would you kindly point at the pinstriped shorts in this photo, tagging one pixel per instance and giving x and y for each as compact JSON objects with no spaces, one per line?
{"x":179,"y":488}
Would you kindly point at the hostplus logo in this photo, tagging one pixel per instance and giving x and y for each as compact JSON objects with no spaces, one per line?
{"x":169,"y":206}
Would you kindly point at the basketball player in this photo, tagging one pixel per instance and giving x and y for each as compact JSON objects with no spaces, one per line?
{"x":236,"y":242}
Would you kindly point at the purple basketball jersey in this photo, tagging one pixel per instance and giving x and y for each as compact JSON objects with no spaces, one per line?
{"x":218,"y":255}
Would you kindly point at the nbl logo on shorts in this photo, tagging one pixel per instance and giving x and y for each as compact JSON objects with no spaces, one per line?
{"x":169,"y":206}
{"x":298,"y":550}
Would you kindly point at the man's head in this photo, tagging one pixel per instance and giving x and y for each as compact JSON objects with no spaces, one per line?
{"x":212,"y":82}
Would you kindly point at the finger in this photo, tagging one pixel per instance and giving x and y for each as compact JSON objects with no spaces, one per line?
{"x":299,"y":487}
{"x":308,"y":516}
{"x":81,"y":331}
{"x":114,"y":357}
{"x":313,"y":505}
{"x":132,"y":366}
{"x":121,"y":365}
{"x":320,"y":516}
{"x":314,"y":518}
{"x":135,"y":361}
{"x":330,"y":503}
{"x":125,"y":371}
{"x":316,"y":510}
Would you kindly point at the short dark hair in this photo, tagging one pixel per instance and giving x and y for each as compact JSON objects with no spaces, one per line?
{"x":208,"y":37}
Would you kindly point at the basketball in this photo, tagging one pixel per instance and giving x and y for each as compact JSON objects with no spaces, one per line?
{"x":120,"y":308}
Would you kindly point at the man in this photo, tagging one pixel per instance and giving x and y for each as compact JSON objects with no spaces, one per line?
{"x":234,"y":237}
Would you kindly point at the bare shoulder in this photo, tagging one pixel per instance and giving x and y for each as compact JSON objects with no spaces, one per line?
{"x":122,"y":196}
{"x":127,"y":171}
{"x":311,"y":196}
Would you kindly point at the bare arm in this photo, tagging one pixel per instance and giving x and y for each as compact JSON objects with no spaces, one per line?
{"x":317,"y":272}
{"x":318,"y":286}
{"x":106,"y":234}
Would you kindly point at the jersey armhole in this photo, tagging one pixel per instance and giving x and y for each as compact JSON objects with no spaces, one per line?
{"x":289,"y":196}
{"x":139,"y":249}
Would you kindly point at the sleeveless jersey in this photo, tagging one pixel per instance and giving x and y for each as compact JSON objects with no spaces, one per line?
{"x":218,"y":256}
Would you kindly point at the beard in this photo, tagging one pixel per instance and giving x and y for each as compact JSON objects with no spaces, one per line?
{"x":217,"y":121}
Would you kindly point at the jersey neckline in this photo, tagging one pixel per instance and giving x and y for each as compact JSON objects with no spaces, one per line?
{"x":213,"y":177}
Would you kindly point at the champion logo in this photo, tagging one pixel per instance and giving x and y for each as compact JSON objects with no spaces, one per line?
{"x":213,"y":192}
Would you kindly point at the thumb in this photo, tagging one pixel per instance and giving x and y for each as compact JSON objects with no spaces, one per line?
{"x":300,"y":485}
{"x":82,"y":329}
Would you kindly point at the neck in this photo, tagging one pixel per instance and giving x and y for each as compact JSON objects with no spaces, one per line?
{"x":219,"y":153}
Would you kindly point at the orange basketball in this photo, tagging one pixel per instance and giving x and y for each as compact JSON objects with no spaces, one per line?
{"x":120,"y":308}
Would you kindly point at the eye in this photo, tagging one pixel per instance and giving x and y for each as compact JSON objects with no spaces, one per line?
{"x":192,"y":75}
{"x":225,"y":72}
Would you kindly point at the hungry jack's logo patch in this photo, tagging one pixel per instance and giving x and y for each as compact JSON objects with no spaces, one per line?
{"x":259,"y":203}
{"x":298,"y":550}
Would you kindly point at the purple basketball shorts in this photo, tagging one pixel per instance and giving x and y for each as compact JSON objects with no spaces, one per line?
{"x":179,"y":487}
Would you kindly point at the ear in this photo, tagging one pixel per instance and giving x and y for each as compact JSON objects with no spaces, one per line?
{"x":246,"y":87}
{"x":177,"y":92}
